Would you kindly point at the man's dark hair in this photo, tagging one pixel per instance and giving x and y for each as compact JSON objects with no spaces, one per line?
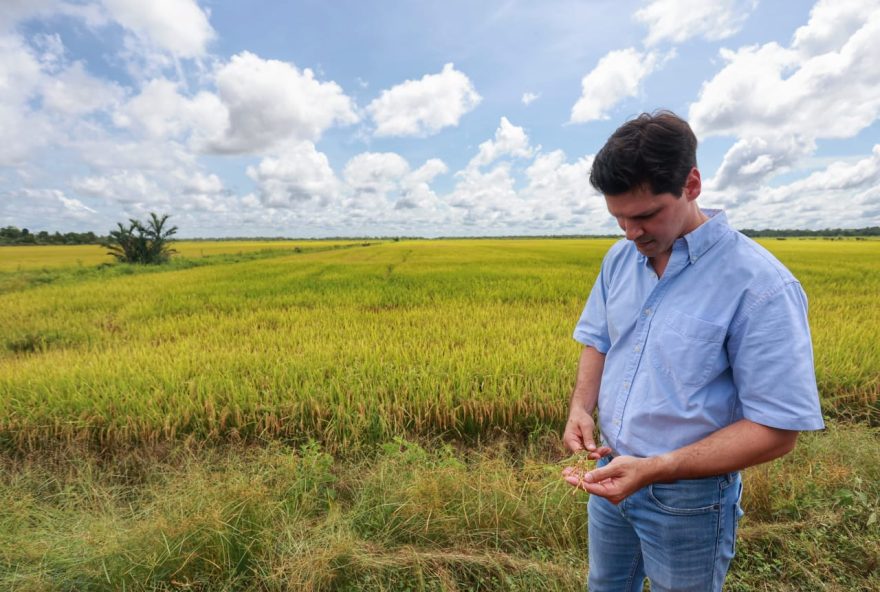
{"x":656,"y":150}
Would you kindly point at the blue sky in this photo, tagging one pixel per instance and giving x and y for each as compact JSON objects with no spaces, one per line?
{"x":309,"y":119}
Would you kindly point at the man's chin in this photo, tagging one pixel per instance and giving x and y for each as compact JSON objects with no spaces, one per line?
{"x":647,"y":247}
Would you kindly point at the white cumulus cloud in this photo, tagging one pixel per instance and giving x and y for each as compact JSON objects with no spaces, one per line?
{"x":770,"y":89}
{"x":271,"y":101}
{"x":778,"y":101}
{"x":831,"y":24}
{"x":487,"y":198}
{"x":160,"y":111}
{"x":74,"y":91}
{"x":180,"y":27}
{"x":752,"y":160}
{"x":510,"y":140}
{"x":617,"y":76}
{"x":375,"y":172}
{"x":296,"y":176}
{"x":677,"y":21}
{"x":424,"y":107}
{"x":21,"y":129}
{"x":554,"y":180}
{"x":43,"y":204}
{"x":528,"y":98}
{"x":380,"y":182}
{"x":124,"y":186}
{"x":44,"y":101}
{"x":842,"y":195}
{"x":552,"y":195}
{"x":416,"y":191}
{"x":199,"y":183}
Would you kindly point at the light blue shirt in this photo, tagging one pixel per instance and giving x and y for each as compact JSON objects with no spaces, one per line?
{"x":721,"y":336}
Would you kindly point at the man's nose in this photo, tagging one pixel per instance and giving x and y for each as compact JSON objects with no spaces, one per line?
{"x":632,"y":229}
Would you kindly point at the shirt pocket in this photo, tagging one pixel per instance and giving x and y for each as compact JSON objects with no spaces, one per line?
{"x":688,"y":348}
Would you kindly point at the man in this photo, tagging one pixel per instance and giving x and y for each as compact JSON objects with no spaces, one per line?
{"x":698,"y":354}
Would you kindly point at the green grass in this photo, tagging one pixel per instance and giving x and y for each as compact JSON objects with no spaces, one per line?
{"x":405,"y":517}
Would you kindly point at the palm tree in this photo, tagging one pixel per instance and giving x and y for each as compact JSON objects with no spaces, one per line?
{"x":139,"y":243}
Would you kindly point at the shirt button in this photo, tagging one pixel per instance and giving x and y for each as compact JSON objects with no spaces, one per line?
{"x":637,"y":348}
{"x":647,"y":312}
{"x":626,"y":385}
{"x":617,"y":422}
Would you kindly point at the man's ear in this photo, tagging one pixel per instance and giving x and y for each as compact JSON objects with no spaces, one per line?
{"x":693,"y":185}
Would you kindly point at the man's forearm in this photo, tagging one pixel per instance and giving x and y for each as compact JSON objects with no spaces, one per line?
{"x":732,"y":448}
{"x":589,"y":376}
{"x":580,"y":427}
{"x":735,"y":447}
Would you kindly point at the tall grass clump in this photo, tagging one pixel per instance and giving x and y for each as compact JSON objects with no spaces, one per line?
{"x":277,"y":518}
{"x":408,"y":516}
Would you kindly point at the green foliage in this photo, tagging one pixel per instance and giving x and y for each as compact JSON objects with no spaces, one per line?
{"x":11,"y":235}
{"x":411,"y":516}
{"x":281,"y":518}
{"x":141,"y":243}
{"x":827,"y":232}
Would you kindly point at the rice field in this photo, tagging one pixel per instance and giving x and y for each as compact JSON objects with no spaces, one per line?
{"x":120,"y":393}
{"x":354,"y":346}
{"x":32,"y":257}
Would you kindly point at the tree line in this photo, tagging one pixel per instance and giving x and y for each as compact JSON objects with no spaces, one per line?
{"x":10,"y":235}
{"x":137,"y":242}
{"x":794,"y":233}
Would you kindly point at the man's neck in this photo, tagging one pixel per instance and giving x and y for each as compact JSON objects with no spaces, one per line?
{"x":697,"y":220}
{"x":660,"y":261}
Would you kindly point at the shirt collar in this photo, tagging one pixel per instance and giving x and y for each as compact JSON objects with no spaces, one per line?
{"x":704,"y":236}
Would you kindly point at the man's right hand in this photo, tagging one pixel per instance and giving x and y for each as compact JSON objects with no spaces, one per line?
{"x":578,"y":434}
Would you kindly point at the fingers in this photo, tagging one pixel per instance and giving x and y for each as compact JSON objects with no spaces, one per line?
{"x":601,"y":474}
{"x":586,"y":429}
{"x":604,"y":489}
{"x":574,"y":477}
{"x":600,"y":452}
{"x":578,"y":436}
{"x":573,"y":442}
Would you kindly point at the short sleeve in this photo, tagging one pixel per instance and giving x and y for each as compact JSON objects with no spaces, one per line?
{"x":592,"y":327}
{"x":771,"y":357}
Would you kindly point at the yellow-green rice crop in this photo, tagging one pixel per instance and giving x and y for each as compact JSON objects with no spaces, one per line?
{"x":25,"y":257}
{"x":459,"y":337}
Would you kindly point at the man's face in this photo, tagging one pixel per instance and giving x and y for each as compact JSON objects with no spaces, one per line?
{"x":654,"y":222}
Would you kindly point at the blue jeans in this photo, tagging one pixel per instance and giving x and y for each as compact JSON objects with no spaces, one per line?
{"x":680,"y":535}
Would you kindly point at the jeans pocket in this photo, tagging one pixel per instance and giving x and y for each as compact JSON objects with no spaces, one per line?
{"x":686,"y":497}
{"x":737,"y":514}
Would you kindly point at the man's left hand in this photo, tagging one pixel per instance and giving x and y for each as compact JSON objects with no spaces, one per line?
{"x":615,"y":481}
